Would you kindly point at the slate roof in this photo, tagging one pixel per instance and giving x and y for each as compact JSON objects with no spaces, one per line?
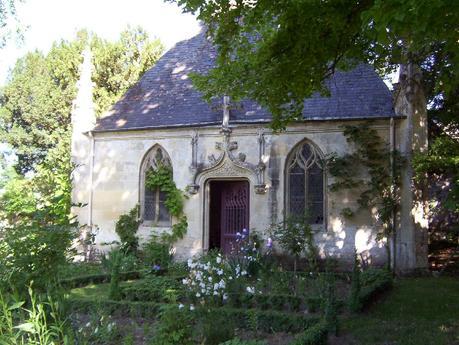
{"x":165,"y":96}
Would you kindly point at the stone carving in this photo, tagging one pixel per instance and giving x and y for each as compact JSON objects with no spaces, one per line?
{"x":227,"y":163}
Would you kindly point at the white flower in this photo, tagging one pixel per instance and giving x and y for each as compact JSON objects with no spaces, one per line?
{"x":203,"y":291}
{"x":191,"y":307}
{"x":222,"y":284}
{"x":215,"y":293}
{"x":210,"y":279}
{"x":220,"y":272}
{"x":216,"y":286}
{"x":219,"y":259}
{"x":190,"y":263}
{"x":198,"y":294}
{"x":243,"y":273}
{"x":225,"y":296}
{"x":185,"y":281}
{"x":181,"y":306}
{"x":250,"y":289}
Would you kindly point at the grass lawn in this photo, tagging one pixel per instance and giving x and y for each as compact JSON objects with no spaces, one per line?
{"x":418,"y":311}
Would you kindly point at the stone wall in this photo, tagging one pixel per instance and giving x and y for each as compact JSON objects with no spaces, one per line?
{"x":116,"y":175}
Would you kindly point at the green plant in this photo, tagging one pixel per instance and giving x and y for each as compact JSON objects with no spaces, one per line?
{"x":162,"y":178}
{"x":39,"y":322}
{"x":331,"y":312}
{"x":354,"y":297}
{"x":214,"y":328}
{"x":237,"y":341}
{"x":115,"y":258}
{"x":373,"y":170}
{"x":157,"y":252}
{"x":33,"y":253}
{"x":314,"y":335}
{"x":126,"y":227}
{"x":294,"y":235}
{"x":174,"y":327}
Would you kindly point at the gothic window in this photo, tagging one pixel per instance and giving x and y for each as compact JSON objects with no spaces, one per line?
{"x":153,"y":207}
{"x":306,"y":184}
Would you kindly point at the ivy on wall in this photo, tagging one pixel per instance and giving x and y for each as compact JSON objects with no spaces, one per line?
{"x":373,"y":170}
{"x":162,"y":178}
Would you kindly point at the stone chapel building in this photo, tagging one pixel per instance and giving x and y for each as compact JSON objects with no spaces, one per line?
{"x":236,"y":172}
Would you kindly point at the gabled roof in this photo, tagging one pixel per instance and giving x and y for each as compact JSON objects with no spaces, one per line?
{"x":165,"y":96}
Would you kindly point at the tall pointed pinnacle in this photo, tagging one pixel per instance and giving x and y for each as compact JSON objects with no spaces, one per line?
{"x":83,"y":116}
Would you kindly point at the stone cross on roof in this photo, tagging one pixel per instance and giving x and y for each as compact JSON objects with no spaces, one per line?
{"x":226,"y":112}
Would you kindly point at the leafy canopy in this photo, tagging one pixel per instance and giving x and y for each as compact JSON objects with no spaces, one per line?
{"x":279,"y":52}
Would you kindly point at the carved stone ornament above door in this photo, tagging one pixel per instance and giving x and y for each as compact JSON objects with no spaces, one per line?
{"x":227,"y":164}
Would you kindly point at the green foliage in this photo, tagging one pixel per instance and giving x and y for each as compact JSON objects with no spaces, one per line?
{"x":441,"y":159}
{"x":374,"y":171}
{"x":354,"y":297}
{"x":237,"y":341}
{"x":114,"y":258}
{"x":154,"y":289}
{"x":33,"y":253}
{"x":175,"y":327}
{"x":295,"y":236}
{"x":41,"y":323}
{"x":162,"y":178}
{"x":331,"y":311}
{"x":126,"y":227}
{"x":213,"y":327}
{"x":35,"y":104}
{"x":157,"y":252}
{"x":279,"y":52}
{"x":315,"y":335}
{"x":119,"y":65}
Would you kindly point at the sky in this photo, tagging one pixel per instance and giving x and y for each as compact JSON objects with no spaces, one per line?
{"x":51,"y":20}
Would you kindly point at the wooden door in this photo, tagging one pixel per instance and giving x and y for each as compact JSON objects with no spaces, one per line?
{"x":234,"y":212}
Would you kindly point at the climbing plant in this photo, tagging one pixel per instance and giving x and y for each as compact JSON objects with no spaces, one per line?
{"x":126,"y":228}
{"x":162,"y":178}
{"x":374,"y":170}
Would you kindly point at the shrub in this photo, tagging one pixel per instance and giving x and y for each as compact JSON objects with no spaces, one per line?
{"x":214,"y":328}
{"x":314,"y":335}
{"x":33,"y":253}
{"x":156,"y":288}
{"x":354,"y":297}
{"x":174,"y":327}
{"x":126,"y":227}
{"x":294,"y":235}
{"x":237,"y":341}
{"x":156,"y":252}
{"x":114,"y":260}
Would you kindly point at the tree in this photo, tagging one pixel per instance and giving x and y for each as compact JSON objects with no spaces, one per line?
{"x":9,"y":24}
{"x":36,"y":103}
{"x":35,"y":119}
{"x":280,"y":52}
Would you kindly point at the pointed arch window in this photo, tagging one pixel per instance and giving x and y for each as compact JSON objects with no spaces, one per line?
{"x":153,"y":202}
{"x":306,"y":183}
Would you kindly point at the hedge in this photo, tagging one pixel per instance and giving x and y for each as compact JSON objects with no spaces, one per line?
{"x":101,"y":278}
{"x":314,"y":335}
{"x":377,"y":281}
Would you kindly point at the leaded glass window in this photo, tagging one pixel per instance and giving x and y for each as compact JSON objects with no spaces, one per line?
{"x":154,"y":201}
{"x":306,"y":184}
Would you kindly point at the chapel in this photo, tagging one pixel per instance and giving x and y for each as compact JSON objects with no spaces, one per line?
{"x":235,"y":171}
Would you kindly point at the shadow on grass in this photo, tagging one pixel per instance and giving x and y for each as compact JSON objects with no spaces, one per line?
{"x":419,"y":311}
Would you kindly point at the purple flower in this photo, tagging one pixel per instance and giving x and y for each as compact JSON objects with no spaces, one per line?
{"x":156,"y":268}
{"x":269,"y":243}
{"x":245,"y":231}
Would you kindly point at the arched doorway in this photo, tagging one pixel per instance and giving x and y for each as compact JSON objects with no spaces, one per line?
{"x":228,"y":212}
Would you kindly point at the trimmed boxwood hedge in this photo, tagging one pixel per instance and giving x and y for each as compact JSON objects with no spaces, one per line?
{"x":81,"y":281}
{"x":374,"y":283}
{"x":314,"y":335}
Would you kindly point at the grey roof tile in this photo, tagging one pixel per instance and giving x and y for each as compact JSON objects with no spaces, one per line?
{"x":165,"y":96}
